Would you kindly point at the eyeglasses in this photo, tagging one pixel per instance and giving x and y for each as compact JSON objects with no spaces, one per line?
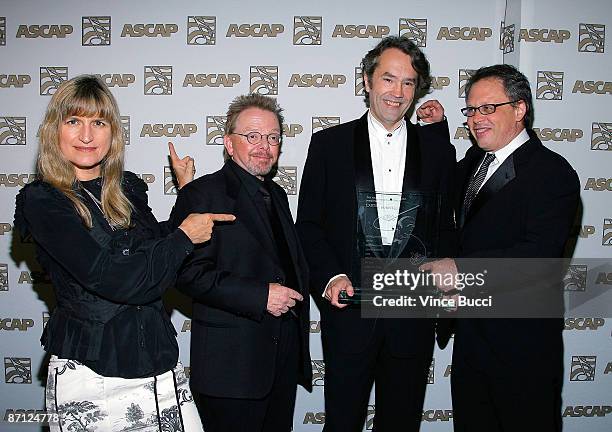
{"x":254,"y":138}
{"x":485,"y":109}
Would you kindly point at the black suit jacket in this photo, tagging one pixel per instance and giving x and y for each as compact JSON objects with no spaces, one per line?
{"x":234,"y":340}
{"x":339,"y":159}
{"x":525,"y":210}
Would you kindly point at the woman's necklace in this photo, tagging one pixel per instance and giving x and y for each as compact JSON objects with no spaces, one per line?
{"x":98,"y":204}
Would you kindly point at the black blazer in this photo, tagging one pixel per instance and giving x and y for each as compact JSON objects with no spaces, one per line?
{"x":525,"y":210}
{"x":234,"y":340}
{"x":338,"y":159}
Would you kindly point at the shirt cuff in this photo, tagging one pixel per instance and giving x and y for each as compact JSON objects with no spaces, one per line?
{"x":330,"y":282}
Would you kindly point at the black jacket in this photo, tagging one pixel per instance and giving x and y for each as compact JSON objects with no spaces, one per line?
{"x":234,"y":340}
{"x":108,"y":284}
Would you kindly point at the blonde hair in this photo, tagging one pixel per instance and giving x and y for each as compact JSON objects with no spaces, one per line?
{"x":87,"y":96}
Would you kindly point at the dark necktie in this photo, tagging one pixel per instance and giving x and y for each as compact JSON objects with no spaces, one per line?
{"x":476,"y":182}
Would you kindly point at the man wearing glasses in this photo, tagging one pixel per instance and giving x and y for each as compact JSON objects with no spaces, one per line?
{"x":249,"y":332}
{"x":517,"y":199}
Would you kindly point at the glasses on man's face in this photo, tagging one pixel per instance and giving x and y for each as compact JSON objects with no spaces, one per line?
{"x":485,"y":109}
{"x":254,"y":138}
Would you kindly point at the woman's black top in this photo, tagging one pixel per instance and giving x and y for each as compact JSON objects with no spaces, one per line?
{"x":108,"y":284}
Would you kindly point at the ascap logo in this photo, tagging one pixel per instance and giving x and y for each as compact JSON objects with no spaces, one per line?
{"x":158,"y":80}
{"x":291,"y":130}
{"x":46,"y":31}
{"x":318,"y":373}
{"x":464,"y":33}
{"x":254,"y":30}
{"x":45,"y":318}
{"x":606,"y":239}
{"x":314,"y":418}
{"x":117,"y":80}
{"x":601,"y":136}
{"x":576,"y":278}
{"x":462,"y":132}
{"x":598,"y":184}
{"x":51,"y":78}
{"x":16,"y":180}
{"x":590,"y":87}
{"x":439,"y":82}
{"x":591,"y":38}
{"x":12,"y":131}
{"x":169,"y":130}
{"x":215,"y":129}
{"x":17,"y":81}
{"x":315,"y":327}
{"x":149,"y":30}
{"x":169,"y":184}
{"x":35,"y":277}
{"x":125,"y":127}
{"x":5,"y":228}
{"x":4,"y":277}
{"x":211,"y":80}
{"x":307,"y":30}
{"x":360,"y":31}
{"x":264,"y":80}
{"x":507,"y":35}
{"x":603,"y":278}
{"x":591,"y":324}
{"x":414,"y":29}
{"x":608,"y":369}
{"x":17,"y":370}
{"x":186,"y":326}
{"x":431,"y":376}
{"x":437,"y":415}
{"x":359,"y":82}
{"x":96,"y":31}
{"x":20,"y":324}
{"x":550,"y":85}
{"x":584,"y":231}
{"x":317,"y":80}
{"x":464,"y":76}
{"x":544,"y":35}
{"x":557,"y":134}
{"x":2,"y":31}
{"x":587,"y":411}
{"x":370,"y":417}
{"x":320,"y":123}
{"x":448,"y":371}
{"x":147,"y":178}
{"x":583,"y":368}
{"x":286,"y":177}
{"x":201,"y":30}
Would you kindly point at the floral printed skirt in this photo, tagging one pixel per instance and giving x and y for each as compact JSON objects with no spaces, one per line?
{"x":86,"y":401}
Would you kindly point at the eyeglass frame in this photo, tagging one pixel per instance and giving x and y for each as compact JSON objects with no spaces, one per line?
{"x":280,"y":137}
{"x":464,"y":110}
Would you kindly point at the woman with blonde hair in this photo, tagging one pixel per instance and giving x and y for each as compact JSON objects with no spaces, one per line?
{"x":114,"y":357}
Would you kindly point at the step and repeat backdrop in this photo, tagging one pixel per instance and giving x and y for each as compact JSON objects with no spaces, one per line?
{"x":174,"y":68}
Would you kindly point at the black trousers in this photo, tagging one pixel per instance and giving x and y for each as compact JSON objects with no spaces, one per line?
{"x":508,"y":403}
{"x":273,"y":413}
{"x":399,"y":392}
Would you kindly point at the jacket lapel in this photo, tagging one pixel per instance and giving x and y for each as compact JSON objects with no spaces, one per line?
{"x":364,"y":183}
{"x":411,"y":183}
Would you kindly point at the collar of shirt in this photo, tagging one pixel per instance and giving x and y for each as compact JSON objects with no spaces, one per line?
{"x":502,"y":154}
{"x":388,"y":153}
{"x":250,"y":182}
